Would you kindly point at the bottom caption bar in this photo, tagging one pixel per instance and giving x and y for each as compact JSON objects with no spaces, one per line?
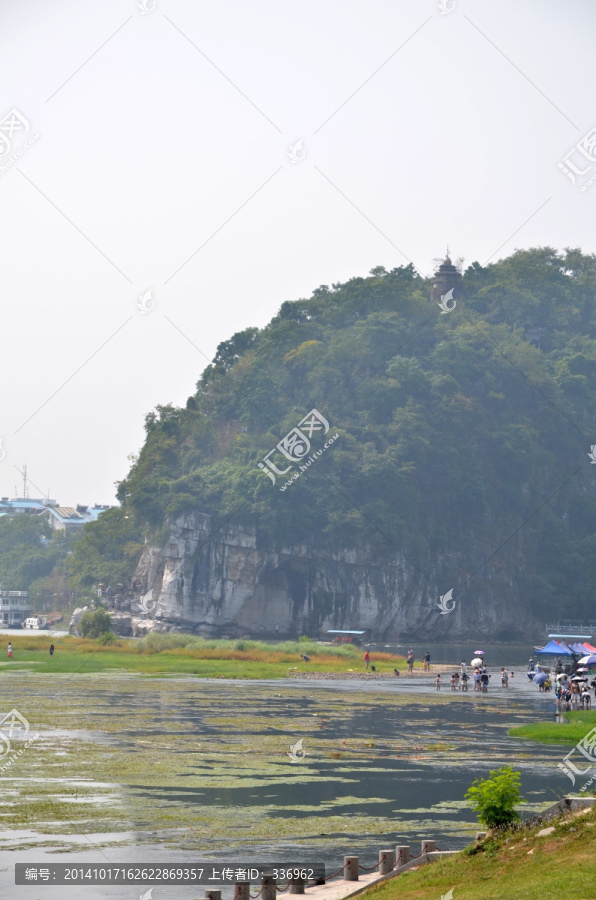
{"x":160,"y":873}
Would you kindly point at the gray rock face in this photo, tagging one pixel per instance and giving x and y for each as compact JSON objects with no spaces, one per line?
{"x":74,"y":619}
{"x":224,"y":584}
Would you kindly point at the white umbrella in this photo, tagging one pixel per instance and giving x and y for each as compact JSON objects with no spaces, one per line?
{"x":562,"y":677}
{"x":577,"y":678}
{"x":476,"y":662}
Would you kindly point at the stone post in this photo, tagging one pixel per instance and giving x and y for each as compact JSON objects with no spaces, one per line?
{"x":386,"y":861}
{"x":402,"y":855}
{"x":296,"y":885}
{"x":480,"y":835}
{"x":428,"y":846}
{"x":269,"y":887}
{"x":213,"y":895}
{"x":242,"y":890}
{"x":350,"y":868}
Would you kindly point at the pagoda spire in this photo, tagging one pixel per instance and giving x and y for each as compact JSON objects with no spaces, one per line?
{"x":446,"y":278}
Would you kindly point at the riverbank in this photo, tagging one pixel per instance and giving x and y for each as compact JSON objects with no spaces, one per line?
{"x":184,"y":654}
{"x":162,"y":654}
{"x":556,"y":861}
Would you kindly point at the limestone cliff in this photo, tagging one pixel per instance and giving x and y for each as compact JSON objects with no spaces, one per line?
{"x":224,"y":584}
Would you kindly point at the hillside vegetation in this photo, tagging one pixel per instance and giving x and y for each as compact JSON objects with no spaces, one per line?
{"x":461,"y":443}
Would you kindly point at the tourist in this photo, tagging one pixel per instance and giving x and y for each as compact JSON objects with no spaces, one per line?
{"x":367,"y":659}
{"x":9,"y":650}
{"x":396,"y":672}
{"x":504,"y":678}
{"x":277,"y":627}
{"x":438,"y":682}
{"x":585,"y":698}
{"x":512,"y":674}
{"x":463,"y":667}
{"x":51,"y":650}
{"x":410,"y":661}
{"x":484,"y":681}
{"x":464,"y":681}
{"x":452,"y":682}
{"x":476,"y":679}
{"x":426,"y":659}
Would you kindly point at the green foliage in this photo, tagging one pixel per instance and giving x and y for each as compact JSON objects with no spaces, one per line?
{"x":494,"y":798}
{"x":107,"y":551}
{"x":108,"y":637}
{"x":155,"y":642}
{"x":453,"y":431}
{"x":29,"y":550}
{"x":94,"y":623}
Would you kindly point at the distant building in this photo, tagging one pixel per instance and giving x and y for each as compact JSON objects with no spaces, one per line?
{"x":69,"y":518}
{"x":65,"y":518}
{"x":14,"y":608}
{"x":446,"y":278}
{"x":20,"y":505}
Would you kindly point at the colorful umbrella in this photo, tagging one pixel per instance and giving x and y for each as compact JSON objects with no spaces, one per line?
{"x":540,"y":678}
{"x":479,"y":652}
{"x":588,"y":660}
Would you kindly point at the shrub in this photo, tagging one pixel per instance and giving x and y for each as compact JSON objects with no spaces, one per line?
{"x":494,"y":798}
{"x":92,"y":624}
{"x":108,"y":637}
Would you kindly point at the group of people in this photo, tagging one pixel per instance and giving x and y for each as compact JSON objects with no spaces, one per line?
{"x":574,"y":694}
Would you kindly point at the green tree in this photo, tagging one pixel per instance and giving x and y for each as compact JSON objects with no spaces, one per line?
{"x":494,"y":798}
{"x":94,"y":623}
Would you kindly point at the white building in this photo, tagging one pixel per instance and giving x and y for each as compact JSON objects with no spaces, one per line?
{"x":14,"y":608}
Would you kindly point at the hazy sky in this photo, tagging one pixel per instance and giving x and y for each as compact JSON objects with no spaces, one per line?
{"x":162,"y":163}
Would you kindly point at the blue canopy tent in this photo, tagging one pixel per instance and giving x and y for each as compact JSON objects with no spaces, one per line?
{"x":555,"y":648}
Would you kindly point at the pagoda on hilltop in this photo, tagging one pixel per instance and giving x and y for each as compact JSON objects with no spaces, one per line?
{"x":446,"y":278}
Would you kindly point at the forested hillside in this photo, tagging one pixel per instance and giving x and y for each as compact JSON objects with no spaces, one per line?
{"x":462,"y":435}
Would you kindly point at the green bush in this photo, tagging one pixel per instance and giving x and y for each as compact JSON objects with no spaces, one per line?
{"x":494,"y":798}
{"x":108,"y":637}
{"x":92,"y":624}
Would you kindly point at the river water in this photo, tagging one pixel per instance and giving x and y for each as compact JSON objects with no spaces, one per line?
{"x":134,"y":769}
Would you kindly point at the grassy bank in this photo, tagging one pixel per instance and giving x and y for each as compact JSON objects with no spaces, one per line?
{"x":570,"y":731}
{"x":560,"y":865}
{"x":159,"y":654}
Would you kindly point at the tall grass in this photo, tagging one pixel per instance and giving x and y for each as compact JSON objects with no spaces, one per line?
{"x":155,"y":643}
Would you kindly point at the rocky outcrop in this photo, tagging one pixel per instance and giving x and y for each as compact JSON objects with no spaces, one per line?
{"x":74,"y":619}
{"x":224,"y":584}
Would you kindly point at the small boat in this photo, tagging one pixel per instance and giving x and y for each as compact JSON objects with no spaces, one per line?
{"x":37,"y":623}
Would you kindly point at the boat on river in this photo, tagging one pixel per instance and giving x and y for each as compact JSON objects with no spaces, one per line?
{"x":37,"y":623}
